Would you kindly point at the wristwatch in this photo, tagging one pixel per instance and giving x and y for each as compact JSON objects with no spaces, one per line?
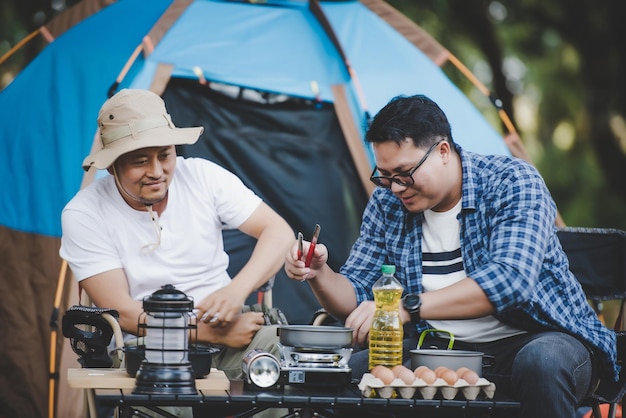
{"x":412,"y":303}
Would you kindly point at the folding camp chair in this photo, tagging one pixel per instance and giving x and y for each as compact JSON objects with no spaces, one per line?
{"x":90,"y":331}
{"x":597,"y":258}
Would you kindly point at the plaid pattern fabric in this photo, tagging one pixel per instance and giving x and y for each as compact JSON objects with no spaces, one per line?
{"x":509,"y":246}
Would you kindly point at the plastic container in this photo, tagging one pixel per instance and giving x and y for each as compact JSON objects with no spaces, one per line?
{"x":386,"y":334}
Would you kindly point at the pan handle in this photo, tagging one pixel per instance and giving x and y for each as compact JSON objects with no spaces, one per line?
{"x":427,"y":331}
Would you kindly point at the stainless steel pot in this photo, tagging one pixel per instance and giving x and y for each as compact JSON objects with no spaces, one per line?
{"x":315,"y":336}
{"x":452,"y":359}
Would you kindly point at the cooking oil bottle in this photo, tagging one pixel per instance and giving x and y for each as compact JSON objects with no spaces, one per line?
{"x":386,"y":334}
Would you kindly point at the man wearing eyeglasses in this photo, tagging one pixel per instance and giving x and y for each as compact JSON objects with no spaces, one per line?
{"x":475,"y":247}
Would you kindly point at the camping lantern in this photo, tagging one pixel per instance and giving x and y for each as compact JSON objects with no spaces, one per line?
{"x":166,"y":320}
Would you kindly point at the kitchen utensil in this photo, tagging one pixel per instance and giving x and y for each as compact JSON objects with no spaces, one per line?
{"x":309,"y":256}
{"x":315,"y":336}
{"x":300,"y":251}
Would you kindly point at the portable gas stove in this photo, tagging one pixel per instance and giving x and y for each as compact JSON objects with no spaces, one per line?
{"x":314,"y":366}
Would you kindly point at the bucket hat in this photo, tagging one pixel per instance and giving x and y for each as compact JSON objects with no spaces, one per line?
{"x":133,"y":119}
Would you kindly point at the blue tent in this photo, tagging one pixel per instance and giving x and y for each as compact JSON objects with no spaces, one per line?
{"x":284,"y":88}
{"x":49,"y":110}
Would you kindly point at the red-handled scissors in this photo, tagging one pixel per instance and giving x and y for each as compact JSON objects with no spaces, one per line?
{"x":309,"y":256}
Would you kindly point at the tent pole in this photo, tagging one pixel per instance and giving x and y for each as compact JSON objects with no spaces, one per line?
{"x":413,"y":33}
{"x":161,"y":78}
{"x":353,"y":137}
{"x":124,"y":71}
{"x":19,"y":45}
{"x":88,"y":178}
{"x":54,"y":324}
{"x":484,"y":90}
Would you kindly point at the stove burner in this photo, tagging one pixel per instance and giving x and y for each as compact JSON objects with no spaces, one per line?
{"x":321,"y":359}
{"x":311,"y":366}
{"x":314,"y":358}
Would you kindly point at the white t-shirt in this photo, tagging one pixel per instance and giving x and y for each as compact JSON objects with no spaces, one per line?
{"x":442,"y":266}
{"x":101,"y":232}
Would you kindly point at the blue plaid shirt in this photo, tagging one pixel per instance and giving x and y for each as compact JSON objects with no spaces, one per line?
{"x":509,"y":246}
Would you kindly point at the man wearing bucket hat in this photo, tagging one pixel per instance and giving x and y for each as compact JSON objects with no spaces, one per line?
{"x":157,"y":219}
{"x":475,"y":246}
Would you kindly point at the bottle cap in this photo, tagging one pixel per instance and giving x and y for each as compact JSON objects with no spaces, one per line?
{"x":388,"y":268}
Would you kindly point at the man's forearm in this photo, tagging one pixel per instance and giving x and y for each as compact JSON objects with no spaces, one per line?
{"x":266,"y":260}
{"x":334,"y":292}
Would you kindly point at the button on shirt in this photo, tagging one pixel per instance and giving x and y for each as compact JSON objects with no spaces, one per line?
{"x":509,"y":247}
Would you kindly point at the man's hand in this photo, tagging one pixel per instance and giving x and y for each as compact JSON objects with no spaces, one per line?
{"x":221,"y":307}
{"x":236,"y":334}
{"x":295,"y":268}
{"x":360,"y":320}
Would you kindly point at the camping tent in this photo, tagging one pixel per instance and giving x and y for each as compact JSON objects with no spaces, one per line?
{"x":284,"y":89}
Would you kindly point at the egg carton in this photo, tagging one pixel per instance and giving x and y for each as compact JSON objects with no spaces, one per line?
{"x":371,"y":386}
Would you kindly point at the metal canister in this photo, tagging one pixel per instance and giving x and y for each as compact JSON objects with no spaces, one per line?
{"x":260,"y":368}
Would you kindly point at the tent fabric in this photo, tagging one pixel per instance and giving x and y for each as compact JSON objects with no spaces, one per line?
{"x":290,"y":152}
{"x":80,"y":11}
{"x":373,"y":53}
{"x":411,"y":31}
{"x":263,"y":144}
{"x":232,"y":42}
{"x":50,"y":113}
{"x":28,"y":275}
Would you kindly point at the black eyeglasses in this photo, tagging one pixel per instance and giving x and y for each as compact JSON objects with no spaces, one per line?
{"x":403,"y":179}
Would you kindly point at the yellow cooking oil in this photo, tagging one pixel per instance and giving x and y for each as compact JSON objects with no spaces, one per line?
{"x":386,"y":334}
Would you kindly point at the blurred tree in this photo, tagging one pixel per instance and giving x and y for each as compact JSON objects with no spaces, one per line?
{"x":18,"y":19}
{"x":558,"y":68}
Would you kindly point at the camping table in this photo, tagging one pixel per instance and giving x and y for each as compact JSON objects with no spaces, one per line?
{"x":215,"y":400}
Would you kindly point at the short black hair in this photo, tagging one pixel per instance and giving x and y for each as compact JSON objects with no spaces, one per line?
{"x":415,"y":118}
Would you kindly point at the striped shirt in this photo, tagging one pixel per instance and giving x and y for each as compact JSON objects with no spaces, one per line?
{"x":442,"y":266}
{"x":509,"y":247}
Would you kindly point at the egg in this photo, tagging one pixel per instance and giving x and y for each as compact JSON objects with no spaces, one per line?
{"x":449,"y":376}
{"x":417,"y":372}
{"x":403,"y":373}
{"x":440,"y":370}
{"x":461,"y":370}
{"x":428,"y":376}
{"x":470,"y":377}
{"x":383,"y":373}
{"x":397,"y":369}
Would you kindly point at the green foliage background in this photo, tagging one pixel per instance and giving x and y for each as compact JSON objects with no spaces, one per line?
{"x":561,"y":99}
